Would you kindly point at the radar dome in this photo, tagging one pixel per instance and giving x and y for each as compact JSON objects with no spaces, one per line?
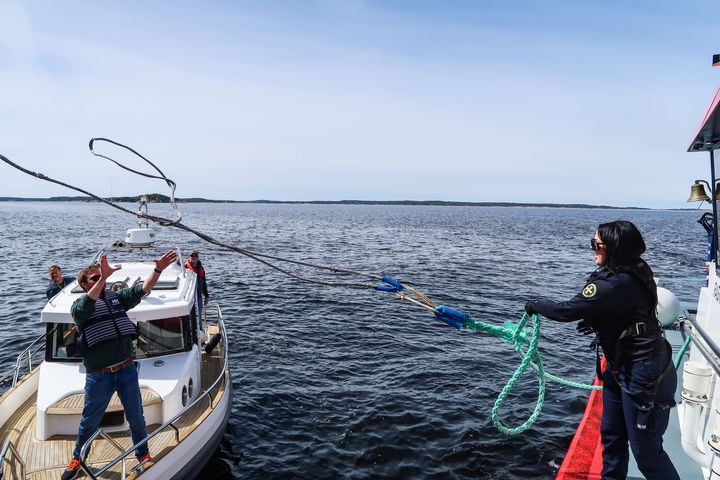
{"x":140,"y":237}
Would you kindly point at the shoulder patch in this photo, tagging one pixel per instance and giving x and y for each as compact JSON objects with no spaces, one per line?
{"x":589,"y":291}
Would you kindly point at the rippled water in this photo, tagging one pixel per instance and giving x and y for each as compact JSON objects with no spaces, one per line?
{"x":339,"y":383}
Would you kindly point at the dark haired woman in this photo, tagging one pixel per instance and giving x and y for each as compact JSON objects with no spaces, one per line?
{"x":619,"y":303}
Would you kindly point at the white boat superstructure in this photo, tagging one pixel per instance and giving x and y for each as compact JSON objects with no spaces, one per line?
{"x":692,"y":439}
{"x":183,"y":375}
{"x":699,"y":411}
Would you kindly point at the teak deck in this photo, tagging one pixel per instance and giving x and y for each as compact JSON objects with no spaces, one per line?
{"x":46,"y":460}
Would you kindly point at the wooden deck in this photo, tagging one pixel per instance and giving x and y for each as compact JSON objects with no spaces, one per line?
{"x":46,"y":460}
{"x":73,"y":404}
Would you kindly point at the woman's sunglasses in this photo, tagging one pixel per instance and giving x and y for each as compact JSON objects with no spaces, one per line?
{"x":595,"y":245}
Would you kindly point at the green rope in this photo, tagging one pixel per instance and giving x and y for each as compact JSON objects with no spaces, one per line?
{"x":518,"y":339}
{"x":681,"y":352}
{"x":517,"y":334}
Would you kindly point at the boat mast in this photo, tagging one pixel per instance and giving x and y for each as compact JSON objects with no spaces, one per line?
{"x":707,"y":139}
{"x":715,"y":63}
{"x":714,"y":204}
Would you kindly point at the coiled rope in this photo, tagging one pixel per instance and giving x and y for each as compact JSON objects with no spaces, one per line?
{"x":516,"y":334}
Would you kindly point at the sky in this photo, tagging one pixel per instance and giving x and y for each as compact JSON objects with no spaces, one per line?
{"x":566,"y":101}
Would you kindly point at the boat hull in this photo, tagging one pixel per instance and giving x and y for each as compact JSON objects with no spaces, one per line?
{"x":187,"y":459}
{"x":207,"y":449}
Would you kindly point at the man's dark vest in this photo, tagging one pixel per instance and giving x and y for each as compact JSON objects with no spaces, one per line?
{"x":108,"y":321}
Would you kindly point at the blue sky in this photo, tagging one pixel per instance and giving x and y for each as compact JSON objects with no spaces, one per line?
{"x":520,"y":101}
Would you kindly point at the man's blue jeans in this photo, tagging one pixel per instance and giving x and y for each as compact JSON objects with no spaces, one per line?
{"x":99,"y":387}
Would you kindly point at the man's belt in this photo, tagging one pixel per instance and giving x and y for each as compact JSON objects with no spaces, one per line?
{"x":118,"y":367}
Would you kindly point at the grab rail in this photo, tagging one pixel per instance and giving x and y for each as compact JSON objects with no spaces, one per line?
{"x":170,"y":423}
{"x":84,"y":453}
{"x":15,"y":371}
{"x":10,"y":447}
{"x":709,"y":349}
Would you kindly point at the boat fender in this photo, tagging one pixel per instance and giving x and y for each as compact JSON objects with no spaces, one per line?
{"x":214,"y":340}
{"x":668,"y":308}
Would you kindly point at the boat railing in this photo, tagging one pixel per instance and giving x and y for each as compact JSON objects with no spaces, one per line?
{"x":9,"y":447}
{"x":102,"y":433}
{"x":704,"y":343}
{"x":25,"y":358}
{"x":207,"y":395}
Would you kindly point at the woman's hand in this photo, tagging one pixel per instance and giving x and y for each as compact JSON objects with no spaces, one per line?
{"x":530,"y":307}
{"x":585,"y":327}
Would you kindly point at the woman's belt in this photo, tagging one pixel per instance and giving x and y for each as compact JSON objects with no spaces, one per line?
{"x":640,"y":328}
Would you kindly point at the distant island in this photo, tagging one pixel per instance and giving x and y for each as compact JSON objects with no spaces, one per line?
{"x":159,"y":198}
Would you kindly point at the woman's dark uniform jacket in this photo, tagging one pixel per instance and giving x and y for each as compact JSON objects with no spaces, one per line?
{"x":620,"y":305}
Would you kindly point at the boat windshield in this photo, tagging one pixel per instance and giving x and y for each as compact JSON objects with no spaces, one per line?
{"x":160,"y":337}
{"x":155,"y":337}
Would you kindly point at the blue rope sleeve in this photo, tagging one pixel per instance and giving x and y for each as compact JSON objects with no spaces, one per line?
{"x":452,"y":317}
{"x":392,"y":285}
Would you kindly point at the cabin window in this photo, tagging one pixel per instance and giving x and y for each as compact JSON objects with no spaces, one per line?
{"x":156,"y":337}
{"x":61,"y":342}
{"x":163,"y":336}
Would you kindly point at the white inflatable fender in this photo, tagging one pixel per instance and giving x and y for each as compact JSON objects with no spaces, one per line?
{"x":668,"y":308}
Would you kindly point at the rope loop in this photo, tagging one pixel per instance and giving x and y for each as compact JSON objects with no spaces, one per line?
{"x":517,"y":335}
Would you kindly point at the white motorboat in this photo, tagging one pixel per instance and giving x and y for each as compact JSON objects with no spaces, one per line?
{"x":183,"y":372}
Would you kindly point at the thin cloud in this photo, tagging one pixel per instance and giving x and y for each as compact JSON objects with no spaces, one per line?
{"x":575,"y":103}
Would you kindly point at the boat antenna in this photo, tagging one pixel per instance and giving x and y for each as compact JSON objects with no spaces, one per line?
{"x":142,"y":213}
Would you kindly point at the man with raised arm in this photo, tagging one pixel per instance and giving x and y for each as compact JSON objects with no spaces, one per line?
{"x":106,"y":343}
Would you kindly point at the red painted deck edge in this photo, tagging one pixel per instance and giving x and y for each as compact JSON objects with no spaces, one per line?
{"x":583,"y":460}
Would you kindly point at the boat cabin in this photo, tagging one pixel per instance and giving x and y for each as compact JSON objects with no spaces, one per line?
{"x":167,"y":352}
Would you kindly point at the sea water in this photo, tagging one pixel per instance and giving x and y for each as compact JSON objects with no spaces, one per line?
{"x":346,"y":383}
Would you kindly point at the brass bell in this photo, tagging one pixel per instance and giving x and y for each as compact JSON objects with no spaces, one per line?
{"x":698,"y":194}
